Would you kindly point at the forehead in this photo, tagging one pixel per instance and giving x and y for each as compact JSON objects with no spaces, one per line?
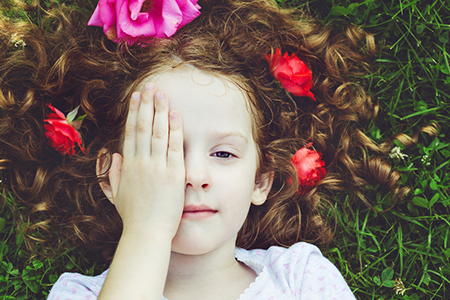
{"x":205,"y":100}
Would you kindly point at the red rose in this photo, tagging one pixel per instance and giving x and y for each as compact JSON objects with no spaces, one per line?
{"x":60,"y":134}
{"x":309,"y":166}
{"x":293,"y":74}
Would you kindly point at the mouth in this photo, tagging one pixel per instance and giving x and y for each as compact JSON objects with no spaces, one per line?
{"x":198,"y":212}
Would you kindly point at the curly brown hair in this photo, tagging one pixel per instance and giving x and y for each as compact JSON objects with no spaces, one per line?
{"x":67,"y":64}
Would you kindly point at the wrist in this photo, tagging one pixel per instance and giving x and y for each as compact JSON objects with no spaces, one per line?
{"x":153,"y":234}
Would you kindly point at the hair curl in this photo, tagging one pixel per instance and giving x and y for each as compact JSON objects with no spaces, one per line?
{"x":68,"y":64}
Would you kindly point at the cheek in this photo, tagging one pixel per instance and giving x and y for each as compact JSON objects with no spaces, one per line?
{"x":236,"y":181}
{"x":236,"y":194}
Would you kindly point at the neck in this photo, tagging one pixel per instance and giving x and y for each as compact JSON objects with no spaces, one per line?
{"x":200,"y":275}
{"x":185,"y":267}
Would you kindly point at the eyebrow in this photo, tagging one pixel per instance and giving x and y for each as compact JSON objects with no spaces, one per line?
{"x":222,"y":135}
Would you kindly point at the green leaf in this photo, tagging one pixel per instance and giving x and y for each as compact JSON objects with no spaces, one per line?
{"x":387,"y":274}
{"x":426,"y":278}
{"x":433,"y":185}
{"x":70,"y":265}
{"x":443,"y":38}
{"x":3,"y":249}
{"x":446,"y":153}
{"x":338,"y":11}
{"x":389,"y":283}
{"x":33,"y":286}
{"x":28,"y":273}
{"x":352,"y":7}
{"x":414,"y":297}
{"x":372,"y":249}
{"x":53,"y":278}
{"x":412,"y":209}
{"x":2,"y":223}
{"x":9,"y":267}
{"x":446,"y":253}
{"x":70,"y":116}
{"x":436,"y":177}
{"x":434,"y":199}
{"x":419,"y":201}
{"x":81,"y":118}
{"x":14,"y":272}
{"x":424,"y":184}
{"x":377,"y":280}
{"x":420,"y":28}
{"x":444,"y":69}
{"x":37,"y":264}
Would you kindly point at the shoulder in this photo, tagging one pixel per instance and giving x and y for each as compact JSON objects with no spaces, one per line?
{"x":302,"y":269}
{"x":77,"y":286}
{"x":297,"y":255}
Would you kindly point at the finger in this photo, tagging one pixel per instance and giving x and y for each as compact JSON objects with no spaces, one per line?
{"x":114,"y":174}
{"x":160,"y":127}
{"x":145,"y":120}
{"x":129,"y":145}
{"x":175,"y":155}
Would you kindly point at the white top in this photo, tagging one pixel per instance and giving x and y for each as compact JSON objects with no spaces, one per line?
{"x":298,"y":272}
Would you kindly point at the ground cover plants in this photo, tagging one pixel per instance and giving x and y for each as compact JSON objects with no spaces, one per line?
{"x":384,"y":252}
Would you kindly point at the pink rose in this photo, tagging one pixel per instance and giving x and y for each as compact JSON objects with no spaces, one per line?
{"x":60,"y":134}
{"x":309,"y":166}
{"x":127,"y":20}
{"x":293,"y":74}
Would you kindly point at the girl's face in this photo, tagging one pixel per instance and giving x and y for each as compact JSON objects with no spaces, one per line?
{"x":220,"y":158}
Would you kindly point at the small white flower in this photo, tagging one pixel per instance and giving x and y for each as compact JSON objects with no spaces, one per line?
{"x":17,"y":40}
{"x":399,"y":287}
{"x":425,"y":160}
{"x":397,"y":153}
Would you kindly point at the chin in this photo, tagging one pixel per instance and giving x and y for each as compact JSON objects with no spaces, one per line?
{"x":195,"y":244}
{"x":191,"y":247}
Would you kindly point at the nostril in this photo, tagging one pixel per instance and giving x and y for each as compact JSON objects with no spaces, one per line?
{"x":205,"y":185}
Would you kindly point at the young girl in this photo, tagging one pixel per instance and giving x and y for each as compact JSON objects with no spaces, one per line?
{"x":182,"y":171}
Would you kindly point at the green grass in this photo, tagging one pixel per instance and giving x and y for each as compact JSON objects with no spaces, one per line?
{"x":411,"y":241}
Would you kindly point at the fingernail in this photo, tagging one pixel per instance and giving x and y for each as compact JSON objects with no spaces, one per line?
{"x":159,"y":96}
{"x":149,"y":86}
{"x":173,"y":115}
{"x":136,"y":96}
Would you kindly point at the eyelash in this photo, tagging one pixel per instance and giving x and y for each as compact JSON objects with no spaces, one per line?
{"x":230,"y":155}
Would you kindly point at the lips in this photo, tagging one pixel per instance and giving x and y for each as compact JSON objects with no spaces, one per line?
{"x":198,"y":212}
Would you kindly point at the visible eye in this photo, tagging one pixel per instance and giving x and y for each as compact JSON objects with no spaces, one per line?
{"x":223,"y":154}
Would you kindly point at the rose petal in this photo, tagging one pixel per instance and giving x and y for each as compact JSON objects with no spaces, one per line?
{"x":135,"y":7}
{"x":134,"y":29}
{"x":293,"y":88}
{"x":107,"y":12}
{"x":95,"y":19}
{"x":59,"y":114}
{"x":190,"y":11}
{"x":304,"y":80}
{"x":171,"y":19}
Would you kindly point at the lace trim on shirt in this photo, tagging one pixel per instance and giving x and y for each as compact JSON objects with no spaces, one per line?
{"x":260,"y":270}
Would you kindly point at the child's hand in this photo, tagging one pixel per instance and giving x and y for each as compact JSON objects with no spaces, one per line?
{"x":148,"y":183}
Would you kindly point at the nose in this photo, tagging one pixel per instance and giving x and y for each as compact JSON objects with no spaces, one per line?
{"x":197,"y":173}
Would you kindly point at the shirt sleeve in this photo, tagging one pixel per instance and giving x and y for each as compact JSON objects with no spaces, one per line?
{"x":322,"y":280}
{"x":73,"y":286}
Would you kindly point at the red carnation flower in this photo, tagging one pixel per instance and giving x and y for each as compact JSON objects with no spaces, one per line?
{"x":293,"y":74}
{"x":309,"y":166}
{"x":61,"y":133}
